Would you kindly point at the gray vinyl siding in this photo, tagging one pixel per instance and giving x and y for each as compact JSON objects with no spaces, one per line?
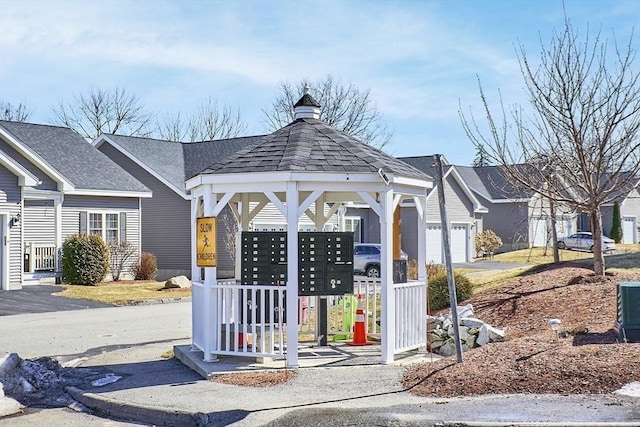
{"x":10,"y":198}
{"x":47,"y":183}
{"x":369,"y":223}
{"x":409,"y":230}
{"x":73,"y":205}
{"x":510,"y":221}
{"x":40,"y":222}
{"x":166,"y":217}
{"x":459,"y":207}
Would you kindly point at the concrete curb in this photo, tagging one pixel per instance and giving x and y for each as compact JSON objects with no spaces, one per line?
{"x":533,"y":424}
{"x":159,"y":301}
{"x":140,"y":413}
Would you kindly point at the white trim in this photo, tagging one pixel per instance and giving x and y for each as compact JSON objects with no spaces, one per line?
{"x":25,"y":178}
{"x":4,"y":259}
{"x":104,"y":138}
{"x":63,"y":183}
{"x":109,"y":193}
{"x":104,"y":213}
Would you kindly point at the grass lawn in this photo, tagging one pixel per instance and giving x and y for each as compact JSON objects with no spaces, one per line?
{"x":626,"y":258}
{"x":123,"y":292}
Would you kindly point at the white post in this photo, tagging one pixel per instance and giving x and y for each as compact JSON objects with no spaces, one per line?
{"x":196,"y":322}
{"x":292,"y":275}
{"x":388,"y":319}
{"x":422,"y":238}
{"x":210,"y":273}
{"x":57,"y":209}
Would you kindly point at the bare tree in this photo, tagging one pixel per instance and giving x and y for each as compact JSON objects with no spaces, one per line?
{"x":209,"y":122}
{"x":104,"y":111}
{"x":581,"y":145}
{"x":344,"y":107}
{"x":15,"y":113}
{"x":121,"y":253}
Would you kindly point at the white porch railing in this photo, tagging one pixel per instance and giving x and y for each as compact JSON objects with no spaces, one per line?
{"x":42,"y":257}
{"x":410,"y":312}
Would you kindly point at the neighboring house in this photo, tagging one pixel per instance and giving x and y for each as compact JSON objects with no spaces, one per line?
{"x":520,"y":217}
{"x":164,"y":166}
{"x":628,"y":199}
{"x":54,"y":184}
{"x":464,"y":213}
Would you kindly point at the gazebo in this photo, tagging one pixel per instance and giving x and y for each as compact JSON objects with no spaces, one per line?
{"x":305,"y":168}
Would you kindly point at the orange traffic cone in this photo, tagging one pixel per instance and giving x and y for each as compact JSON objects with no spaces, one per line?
{"x":359,"y":334}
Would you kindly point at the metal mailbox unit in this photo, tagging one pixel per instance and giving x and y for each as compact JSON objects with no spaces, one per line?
{"x":325,"y":263}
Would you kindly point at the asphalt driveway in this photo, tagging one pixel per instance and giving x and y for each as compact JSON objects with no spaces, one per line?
{"x":39,"y":299}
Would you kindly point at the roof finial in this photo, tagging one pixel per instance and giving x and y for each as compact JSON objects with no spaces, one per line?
{"x":307,"y":89}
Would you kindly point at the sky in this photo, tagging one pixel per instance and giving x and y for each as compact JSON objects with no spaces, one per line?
{"x":420,"y":60}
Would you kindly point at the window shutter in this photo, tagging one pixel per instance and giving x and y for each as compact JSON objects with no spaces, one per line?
{"x":123,"y":226}
{"x":83,"y":222}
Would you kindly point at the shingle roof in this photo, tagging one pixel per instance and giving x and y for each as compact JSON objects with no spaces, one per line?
{"x":71,"y":156}
{"x":310,"y":145}
{"x":175,"y":162}
{"x":163,"y":157}
{"x":425,"y":164}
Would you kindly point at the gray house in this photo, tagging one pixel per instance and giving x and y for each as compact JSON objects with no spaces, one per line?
{"x":628,"y":198}
{"x":520,"y":217}
{"x":464,"y":212}
{"x":164,"y":166}
{"x":54,"y":184}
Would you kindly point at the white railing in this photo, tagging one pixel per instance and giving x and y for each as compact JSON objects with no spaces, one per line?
{"x":246,"y":319}
{"x":410,"y":315}
{"x":42,"y":257}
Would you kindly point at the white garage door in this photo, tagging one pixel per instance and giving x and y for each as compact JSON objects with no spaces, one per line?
{"x":539,"y":232}
{"x":629,"y":230}
{"x":434,"y":243}
{"x":435,"y":251}
{"x":459,"y":243}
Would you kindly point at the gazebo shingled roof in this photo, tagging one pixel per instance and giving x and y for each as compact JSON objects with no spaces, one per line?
{"x":310,"y":145}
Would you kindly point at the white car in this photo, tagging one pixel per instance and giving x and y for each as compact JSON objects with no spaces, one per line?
{"x":584,"y":240}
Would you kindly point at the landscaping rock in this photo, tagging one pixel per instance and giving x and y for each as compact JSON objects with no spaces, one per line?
{"x":473,"y":332}
{"x":178,"y":282}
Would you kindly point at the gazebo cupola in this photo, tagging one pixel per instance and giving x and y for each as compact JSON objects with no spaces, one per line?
{"x":306,"y":107}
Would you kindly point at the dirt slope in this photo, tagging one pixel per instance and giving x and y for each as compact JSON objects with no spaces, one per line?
{"x":587,"y":358}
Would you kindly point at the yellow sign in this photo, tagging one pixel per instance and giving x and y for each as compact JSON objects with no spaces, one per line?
{"x":206,"y":243}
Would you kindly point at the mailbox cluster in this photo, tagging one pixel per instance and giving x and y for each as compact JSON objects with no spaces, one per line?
{"x":325,"y":261}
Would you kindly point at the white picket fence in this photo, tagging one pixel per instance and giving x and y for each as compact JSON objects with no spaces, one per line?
{"x":245,"y":320}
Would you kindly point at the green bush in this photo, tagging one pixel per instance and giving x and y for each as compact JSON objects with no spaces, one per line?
{"x":85,"y":259}
{"x":439,"y":290}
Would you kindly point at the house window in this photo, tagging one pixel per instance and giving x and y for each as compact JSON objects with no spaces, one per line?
{"x":106,"y":225}
{"x":352,"y":223}
{"x":95,"y":223}
{"x":111,"y":227}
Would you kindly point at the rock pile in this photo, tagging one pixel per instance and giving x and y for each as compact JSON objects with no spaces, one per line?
{"x":473,"y":332}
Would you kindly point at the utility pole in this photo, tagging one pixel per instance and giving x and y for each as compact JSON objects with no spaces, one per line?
{"x":453,"y":298}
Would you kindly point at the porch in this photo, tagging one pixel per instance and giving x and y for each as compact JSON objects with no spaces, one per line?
{"x":40,"y":264}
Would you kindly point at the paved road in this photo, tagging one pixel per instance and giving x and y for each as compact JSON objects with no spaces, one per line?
{"x":70,"y":334}
{"x":39,"y":299}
